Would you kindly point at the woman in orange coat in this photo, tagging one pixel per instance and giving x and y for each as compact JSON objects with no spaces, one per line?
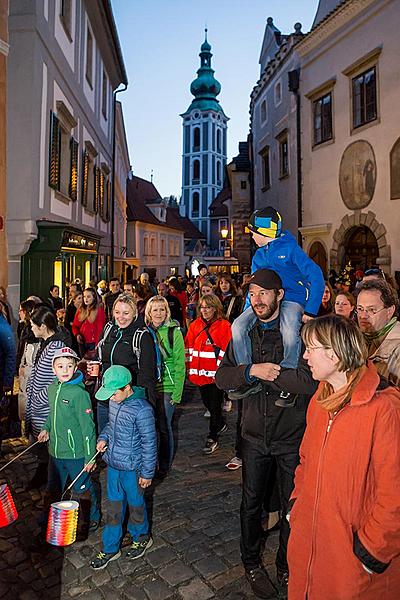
{"x":206,"y":342}
{"x":345,"y":518}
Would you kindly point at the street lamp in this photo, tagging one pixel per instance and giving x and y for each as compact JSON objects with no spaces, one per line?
{"x":224,"y":234}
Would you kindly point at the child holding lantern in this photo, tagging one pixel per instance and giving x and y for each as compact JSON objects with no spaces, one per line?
{"x":129,"y":443}
{"x":71,"y":434}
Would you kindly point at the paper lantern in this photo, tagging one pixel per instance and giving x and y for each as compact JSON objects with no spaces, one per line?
{"x":62,"y":523}
{"x":8,"y":512}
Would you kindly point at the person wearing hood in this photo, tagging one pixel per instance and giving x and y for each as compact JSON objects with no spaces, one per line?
{"x":71,"y":434}
{"x":126,"y":341}
{"x":52,"y":338}
{"x":169,"y":341}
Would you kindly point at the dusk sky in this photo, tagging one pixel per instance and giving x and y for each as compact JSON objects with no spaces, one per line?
{"x":161,"y":42}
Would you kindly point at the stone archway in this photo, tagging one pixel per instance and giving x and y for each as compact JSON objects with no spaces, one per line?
{"x":340,"y":238}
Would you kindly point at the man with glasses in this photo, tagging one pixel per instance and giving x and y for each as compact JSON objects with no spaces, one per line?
{"x":111,"y":296}
{"x":271,"y":434}
{"x":376,"y":314}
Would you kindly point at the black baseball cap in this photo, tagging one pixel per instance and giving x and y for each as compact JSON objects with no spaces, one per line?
{"x":267,"y":279}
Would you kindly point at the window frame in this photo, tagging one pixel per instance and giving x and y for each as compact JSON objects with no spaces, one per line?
{"x":89,"y":56}
{"x":104,"y":95}
{"x":264,"y":120}
{"x":315,"y":102}
{"x":66,"y":17}
{"x":265,"y":155}
{"x":364,"y":120}
{"x":283,"y":139}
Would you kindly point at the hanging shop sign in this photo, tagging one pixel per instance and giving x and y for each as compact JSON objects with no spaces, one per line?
{"x":79,"y":243}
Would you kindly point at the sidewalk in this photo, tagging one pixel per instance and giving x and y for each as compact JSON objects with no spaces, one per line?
{"x":195,"y":515}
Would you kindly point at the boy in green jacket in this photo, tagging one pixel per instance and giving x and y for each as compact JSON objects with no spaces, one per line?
{"x":71,"y":433}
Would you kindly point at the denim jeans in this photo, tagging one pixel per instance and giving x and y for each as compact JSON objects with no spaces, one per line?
{"x":256,"y":470}
{"x":289,"y":323}
{"x":62,"y":468}
{"x":164,"y":416}
{"x":123,"y":490}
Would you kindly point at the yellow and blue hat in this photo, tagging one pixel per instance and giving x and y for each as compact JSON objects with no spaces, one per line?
{"x":266,"y":221}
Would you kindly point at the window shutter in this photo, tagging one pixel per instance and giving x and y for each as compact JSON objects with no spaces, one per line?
{"x":96,"y":201}
{"x":108,"y":202}
{"x":54,"y":152}
{"x":73,"y":178}
{"x":85,"y":177}
{"x":102,"y":195}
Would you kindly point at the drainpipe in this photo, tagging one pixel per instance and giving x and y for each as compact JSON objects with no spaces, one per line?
{"x":294,"y":86}
{"x":113,"y":181}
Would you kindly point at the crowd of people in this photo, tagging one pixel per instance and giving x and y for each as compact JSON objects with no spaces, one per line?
{"x":104,"y":371}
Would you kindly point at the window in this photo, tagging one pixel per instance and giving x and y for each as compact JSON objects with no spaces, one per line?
{"x":163,"y":253}
{"x":104,"y":95}
{"x":365,"y":107}
{"x":323,"y":119}
{"x":218,"y":172}
{"x":263,"y":111}
{"x":153,"y":246}
{"x":90,"y":179}
{"x":195,"y":204}
{"x":66,"y":16}
{"x":265,"y":169}
{"x":278,"y":93}
{"x":196,"y":139}
{"x":63,"y":153}
{"x":243,"y":185}
{"x":171,"y":247}
{"x":145,"y":246}
{"x":176,"y":248}
{"x":103,"y":192}
{"x":89,"y":57}
{"x":218,"y":140}
{"x":196,"y":171}
{"x":283,"y":156}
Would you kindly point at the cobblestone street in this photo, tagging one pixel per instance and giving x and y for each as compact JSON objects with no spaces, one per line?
{"x":195,"y":516}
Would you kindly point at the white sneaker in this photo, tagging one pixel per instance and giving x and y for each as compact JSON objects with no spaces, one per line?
{"x":234,"y":463}
{"x":207,"y":414}
{"x":227,"y":406}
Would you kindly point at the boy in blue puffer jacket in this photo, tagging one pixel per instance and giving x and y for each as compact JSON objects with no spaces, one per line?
{"x":303,"y":284}
{"x":129,"y":443}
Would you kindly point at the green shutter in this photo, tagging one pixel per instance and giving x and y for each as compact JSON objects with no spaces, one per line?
{"x":108,"y":202}
{"x":73,"y":177}
{"x":54,"y":152}
{"x":102,"y":194}
{"x":96,"y":200}
{"x":85,"y":177}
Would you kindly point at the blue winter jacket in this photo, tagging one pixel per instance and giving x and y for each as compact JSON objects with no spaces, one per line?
{"x":302,"y":278}
{"x":8,"y":354}
{"x":131,"y":435}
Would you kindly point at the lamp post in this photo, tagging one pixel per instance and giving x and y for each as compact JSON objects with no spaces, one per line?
{"x":227,"y":249}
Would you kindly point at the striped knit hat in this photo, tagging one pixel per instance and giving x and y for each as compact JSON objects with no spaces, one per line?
{"x":266,"y":221}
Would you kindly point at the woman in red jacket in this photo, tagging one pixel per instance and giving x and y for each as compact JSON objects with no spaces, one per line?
{"x":345,"y":518}
{"x":88,"y":323}
{"x":206,"y":342}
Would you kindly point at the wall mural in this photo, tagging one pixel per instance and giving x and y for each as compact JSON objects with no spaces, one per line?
{"x":357,"y":175}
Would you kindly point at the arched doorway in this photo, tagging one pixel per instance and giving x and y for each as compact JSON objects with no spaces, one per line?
{"x":318,"y":253}
{"x":360,"y":248}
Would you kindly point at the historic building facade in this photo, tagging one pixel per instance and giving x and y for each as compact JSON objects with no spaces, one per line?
{"x":65,"y":62}
{"x":204,"y":145}
{"x":350,"y":115}
{"x":121,"y":171}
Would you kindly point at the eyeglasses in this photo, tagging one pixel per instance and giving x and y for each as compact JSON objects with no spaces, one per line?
{"x":311,"y":348}
{"x":369,"y":311}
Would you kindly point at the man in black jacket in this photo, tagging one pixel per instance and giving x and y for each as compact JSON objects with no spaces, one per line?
{"x":111,"y":296}
{"x":270,"y":432}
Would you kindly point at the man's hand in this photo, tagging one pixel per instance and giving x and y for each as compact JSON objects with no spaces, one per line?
{"x":144,"y":483}
{"x":265,"y":371}
{"x":43,"y":436}
{"x":89,"y":467}
{"x":306,"y":318}
{"x":101,"y":446}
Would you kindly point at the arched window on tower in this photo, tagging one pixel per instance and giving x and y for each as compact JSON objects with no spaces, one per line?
{"x":218,"y":172}
{"x":195,"y":204}
{"x":218,"y":140}
{"x":196,"y":171}
{"x":196,"y":139}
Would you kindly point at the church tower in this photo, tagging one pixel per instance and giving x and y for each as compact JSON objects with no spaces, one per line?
{"x":204,"y":144}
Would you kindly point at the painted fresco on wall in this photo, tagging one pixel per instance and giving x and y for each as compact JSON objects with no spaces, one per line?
{"x":357,"y":175}
{"x":395,"y":171}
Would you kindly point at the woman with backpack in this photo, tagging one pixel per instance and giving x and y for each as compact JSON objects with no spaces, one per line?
{"x":170,"y":345}
{"x":126,"y":341}
{"x":206,"y":342}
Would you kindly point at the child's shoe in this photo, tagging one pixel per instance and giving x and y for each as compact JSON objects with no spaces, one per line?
{"x":245,"y":390}
{"x":138,"y":549}
{"x":102,"y":559}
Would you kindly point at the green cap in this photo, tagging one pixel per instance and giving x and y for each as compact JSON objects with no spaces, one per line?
{"x":115,"y":378}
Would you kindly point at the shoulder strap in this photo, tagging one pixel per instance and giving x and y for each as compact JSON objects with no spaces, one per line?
{"x":158,"y":350}
{"x":230,"y":306}
{"x":214,"y":345}
{"x":107,"y":329}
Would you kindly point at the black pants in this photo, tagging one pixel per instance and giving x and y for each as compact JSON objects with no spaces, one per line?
{"x":238,"y":443}
{"x":212,"y":399}
{"x":257,"y":465}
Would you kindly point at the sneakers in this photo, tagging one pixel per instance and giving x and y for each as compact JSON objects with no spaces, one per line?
{"x":102,"y":559}
{"x":210,"y":446}
{"x":227,"y":407}
{"x":282,"y":577}
{"x":245,"y":390}
{"x":260,"y":583}
{"x":223,"y":429}
{"x":234,"y":463}
{"x":207,"y":414}
{"x":139,"y":548}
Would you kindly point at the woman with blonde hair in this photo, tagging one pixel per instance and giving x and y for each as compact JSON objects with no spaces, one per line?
{"x":206,"y":342}
{"x":88,"y":323}
{"x":169,"y":387}
{"x":345,"y":509}
{"x":126,"y":341}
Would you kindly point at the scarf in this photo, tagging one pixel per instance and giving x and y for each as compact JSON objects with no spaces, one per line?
{"x":334,"y":401}
{"x":382,"y":333}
